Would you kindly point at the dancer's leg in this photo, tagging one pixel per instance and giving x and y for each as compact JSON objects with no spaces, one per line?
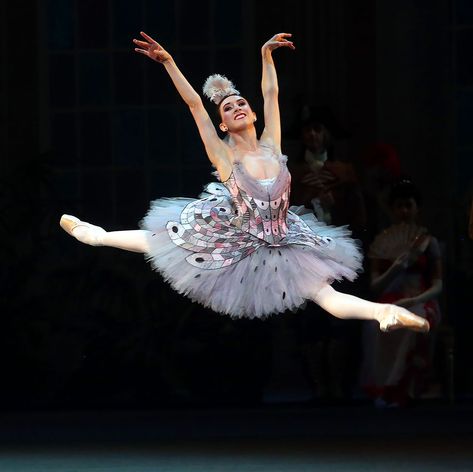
{"x":389,"y":317}
{"x":132,"y":240}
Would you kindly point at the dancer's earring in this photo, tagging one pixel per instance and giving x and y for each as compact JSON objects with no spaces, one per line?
{"x":254,"y":118}
{"x":224,"y":128}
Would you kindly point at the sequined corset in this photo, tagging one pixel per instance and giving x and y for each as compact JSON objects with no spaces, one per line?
{"x":232,"y":219}
{"x":260,"y":208}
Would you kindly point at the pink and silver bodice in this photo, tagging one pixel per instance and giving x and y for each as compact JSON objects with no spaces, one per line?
{"x":232,"y":219}
{"x":260,"y":206}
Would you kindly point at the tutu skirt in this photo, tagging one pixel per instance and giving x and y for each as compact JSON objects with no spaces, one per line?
{"x":272,"y":279}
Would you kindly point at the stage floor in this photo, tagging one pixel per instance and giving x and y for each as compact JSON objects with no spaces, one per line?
{"x":267,"y":439}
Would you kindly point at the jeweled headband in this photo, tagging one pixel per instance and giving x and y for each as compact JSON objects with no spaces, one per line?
{"x":217,"y":87}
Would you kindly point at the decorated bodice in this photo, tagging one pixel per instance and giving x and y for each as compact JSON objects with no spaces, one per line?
{"x":260,"y":206}
{"x":232,"y":219}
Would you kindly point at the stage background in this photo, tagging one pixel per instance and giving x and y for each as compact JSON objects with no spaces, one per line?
{"x":90,"y":128}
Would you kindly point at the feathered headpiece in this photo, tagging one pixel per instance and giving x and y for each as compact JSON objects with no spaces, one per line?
{"x":217,"y":87}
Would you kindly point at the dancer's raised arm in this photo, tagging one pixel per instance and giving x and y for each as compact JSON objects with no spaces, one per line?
{"x":270,"y":89}
{"x":216,"y":150}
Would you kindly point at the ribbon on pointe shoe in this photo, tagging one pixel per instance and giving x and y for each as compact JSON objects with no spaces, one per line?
{"x":397,"y":318}
{"x":89,"y":234}
{"x":68,"y":223}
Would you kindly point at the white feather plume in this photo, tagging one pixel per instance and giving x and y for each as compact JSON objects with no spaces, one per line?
{"x":217,"y":87}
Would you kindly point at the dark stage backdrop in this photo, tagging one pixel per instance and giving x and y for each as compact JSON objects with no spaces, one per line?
{"x":93,"y":129}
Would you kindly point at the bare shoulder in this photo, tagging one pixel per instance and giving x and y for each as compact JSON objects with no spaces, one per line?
{"x":266,"y":141}
{"x":223,"y":162}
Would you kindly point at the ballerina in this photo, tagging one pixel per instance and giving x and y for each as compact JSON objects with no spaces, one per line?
{"x":238,"y":248}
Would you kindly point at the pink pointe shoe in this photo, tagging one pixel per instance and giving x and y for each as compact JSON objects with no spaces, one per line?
{"x":395,"y":317}
{"x":82,"y":231}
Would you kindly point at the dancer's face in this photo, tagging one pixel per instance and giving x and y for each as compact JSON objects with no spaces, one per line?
{"x":236,"y":114}
{"x":404,"y":210}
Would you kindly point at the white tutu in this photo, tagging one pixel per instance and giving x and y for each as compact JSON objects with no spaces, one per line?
{"x":238,"y":249}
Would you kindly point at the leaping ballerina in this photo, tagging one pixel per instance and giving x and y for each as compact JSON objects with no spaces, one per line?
{"x":238,"y":248}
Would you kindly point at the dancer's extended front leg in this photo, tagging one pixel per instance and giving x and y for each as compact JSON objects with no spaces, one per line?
{"x":132,"y":240}
{"x":390,"y":317}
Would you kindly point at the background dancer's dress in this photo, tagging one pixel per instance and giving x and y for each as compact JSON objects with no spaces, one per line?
{"x":240,"y":251}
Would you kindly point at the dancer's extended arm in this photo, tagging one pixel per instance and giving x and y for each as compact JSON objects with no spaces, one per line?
{"x":270,"y":89}
{"x":216,"y":150}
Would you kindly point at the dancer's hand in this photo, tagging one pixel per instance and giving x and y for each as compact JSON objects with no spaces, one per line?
{"x":152,"y":49}
{"x":402,"y":261}
{"x":277,"y":41}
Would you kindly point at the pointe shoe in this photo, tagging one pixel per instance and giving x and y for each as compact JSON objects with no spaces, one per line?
{"x":395,"y":317}
{"x":84,"y":232}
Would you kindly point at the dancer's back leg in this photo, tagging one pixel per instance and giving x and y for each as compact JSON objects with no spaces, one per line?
{"x":131,"y":240}
{"x":345,"y":306}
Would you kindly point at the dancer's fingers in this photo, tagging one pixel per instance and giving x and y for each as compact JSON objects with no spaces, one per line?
{"x":289,"y":44}
{"x":281,"y":36}
{"x":143,"y":44}
{"x":149,"y":38}
{"x":283,"y":43}
{"x":142,"y":51}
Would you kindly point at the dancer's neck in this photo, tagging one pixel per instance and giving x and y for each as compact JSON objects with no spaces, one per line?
{"x":244,"y":141}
